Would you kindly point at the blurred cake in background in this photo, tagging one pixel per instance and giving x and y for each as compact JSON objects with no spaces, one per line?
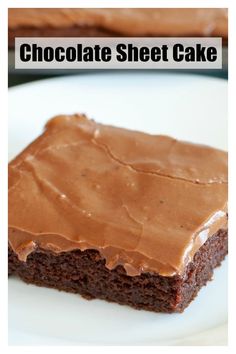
{"x":155,"y":22}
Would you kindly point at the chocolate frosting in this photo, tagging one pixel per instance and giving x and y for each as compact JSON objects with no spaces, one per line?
{"x":147,"y":202}
{"x":128,"y":22}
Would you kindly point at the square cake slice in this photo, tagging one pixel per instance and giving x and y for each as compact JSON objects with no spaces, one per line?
{"x":116,"y":214}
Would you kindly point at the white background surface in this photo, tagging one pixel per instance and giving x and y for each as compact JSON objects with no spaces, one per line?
{"x":188,"y":107}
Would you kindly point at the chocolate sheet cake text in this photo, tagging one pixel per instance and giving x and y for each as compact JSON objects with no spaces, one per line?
{"x":118,"y":53}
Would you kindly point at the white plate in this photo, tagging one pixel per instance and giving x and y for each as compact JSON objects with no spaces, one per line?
{"x":188,"y":107}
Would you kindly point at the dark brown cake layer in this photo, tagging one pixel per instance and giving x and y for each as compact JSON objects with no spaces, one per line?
{"x":85,"y":273}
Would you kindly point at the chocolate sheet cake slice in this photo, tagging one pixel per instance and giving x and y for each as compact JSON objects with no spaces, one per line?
{"x":116,"y":214}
